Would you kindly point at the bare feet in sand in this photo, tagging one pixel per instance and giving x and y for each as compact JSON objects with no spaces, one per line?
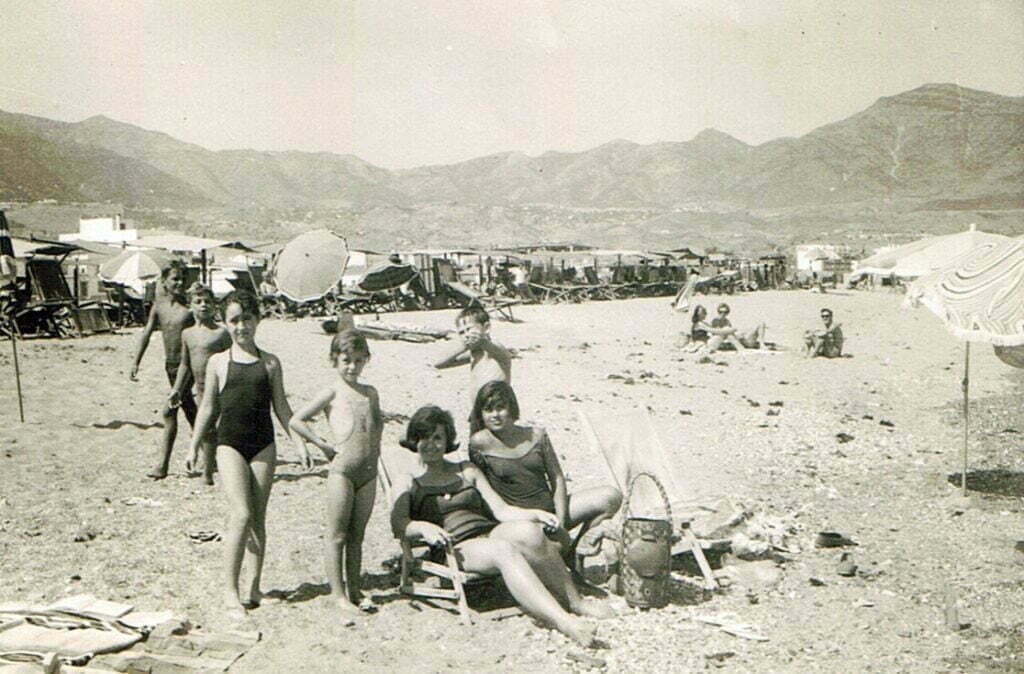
{"x":157,"y":473}
{"x":234,"y":608}
{"x":349,"y":611}
{"x":580,"y":631}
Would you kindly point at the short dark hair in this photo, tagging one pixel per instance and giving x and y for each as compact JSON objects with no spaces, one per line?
{"x":173,"y":265}
{"x":244,"y":299}
{"x":476,"y":312}
{"x":723,"y":305}
{"x":826,"y":310}
{"x":348,"y":342}
{"x":490,"y":393}
{"x":423,"y":423}
{"x":197,"y":289}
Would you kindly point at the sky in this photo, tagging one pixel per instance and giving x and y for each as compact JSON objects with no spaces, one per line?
{"x":403,"y":83}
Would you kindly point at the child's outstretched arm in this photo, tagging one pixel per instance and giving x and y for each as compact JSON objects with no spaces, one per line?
{"x":282,"y":409}
{"x":143,"y":343}
{"x":209,"y":409}
{"x":455,"y":356}
{"x":300,"y":421}
{"x":499,"y":353}
{"x":556,"y":480}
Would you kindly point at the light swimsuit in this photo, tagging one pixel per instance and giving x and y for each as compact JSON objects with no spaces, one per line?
{"x":356,"y":459}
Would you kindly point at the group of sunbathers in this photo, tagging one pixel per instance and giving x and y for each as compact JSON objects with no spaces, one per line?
{"x":705,"y":338}
{"x":506,"y":511}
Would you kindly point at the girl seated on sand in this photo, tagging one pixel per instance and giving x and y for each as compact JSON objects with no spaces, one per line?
{"x":521,"y":465}
{"x":242,"y":384}
{"x":710,"y":337}
{"x":353,"y":411}
{"x":451,"y":503}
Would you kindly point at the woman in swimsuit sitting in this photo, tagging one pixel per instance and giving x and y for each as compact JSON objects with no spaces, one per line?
{"x":353,"y":411}
{"x":452,"y":503}
{"x":242,"y":384}
{"x":521,"y":465}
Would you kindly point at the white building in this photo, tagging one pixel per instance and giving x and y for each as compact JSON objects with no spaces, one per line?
{"x":102,"y":229}
{"x":811,"y":257}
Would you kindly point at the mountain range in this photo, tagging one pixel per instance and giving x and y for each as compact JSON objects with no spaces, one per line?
{"x":937,"y":142}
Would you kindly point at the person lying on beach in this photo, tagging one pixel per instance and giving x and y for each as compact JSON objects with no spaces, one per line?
{"x":170,"y":315}
{"x":828,"y":341}
{"x":198,"y":343}
{"x":353,"y":412}
{"x":522,"y":467}
{"x":450,"y":503}
{"x":243,"y":383}
{"x":487,"y":360}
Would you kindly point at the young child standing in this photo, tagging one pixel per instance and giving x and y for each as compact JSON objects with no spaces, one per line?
{"x":242,"y":384}
{"x":353,"y":411}
{"x":198,"y":343}
{"x":488,"y":361}
{"x":170,"y":315}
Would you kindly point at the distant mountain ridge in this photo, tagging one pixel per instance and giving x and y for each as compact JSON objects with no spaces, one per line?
{"x":936,"y":142}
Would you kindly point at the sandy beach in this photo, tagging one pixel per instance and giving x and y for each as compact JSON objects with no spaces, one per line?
{"x":91,"y":434}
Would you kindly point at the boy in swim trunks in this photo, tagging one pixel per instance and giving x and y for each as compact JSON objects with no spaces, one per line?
{"x":170,"y":315}
{"x":199,"y":342}
{"x":353,"y":411}
{"x":488,"y":361}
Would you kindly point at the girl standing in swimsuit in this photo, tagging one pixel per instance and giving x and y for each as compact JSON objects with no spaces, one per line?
{"x":353,"y":410}
{"x":521,"y":465}
{"x":242,"y":384}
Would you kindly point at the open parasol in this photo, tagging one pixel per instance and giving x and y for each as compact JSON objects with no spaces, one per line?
{"x":980,"y":298}
{"x":386,"y":277}
{"x":133,"y":268}
{"x":310,"y":265}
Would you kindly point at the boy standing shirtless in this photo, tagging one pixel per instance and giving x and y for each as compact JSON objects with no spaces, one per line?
{"x":170,"y":315}
{"x":488,"y":361}
{"x":199,"y":342}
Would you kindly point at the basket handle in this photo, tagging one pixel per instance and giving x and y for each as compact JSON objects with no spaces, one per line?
{"x":661,"y":490}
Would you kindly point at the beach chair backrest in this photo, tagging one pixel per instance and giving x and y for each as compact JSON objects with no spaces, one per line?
{"x":591,"y":275}
{"x":48,"y":282}
{"x":445,"y":270}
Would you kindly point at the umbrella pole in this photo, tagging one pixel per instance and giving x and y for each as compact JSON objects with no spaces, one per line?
{"x":966,"y":387}
{"x":17,"y":376}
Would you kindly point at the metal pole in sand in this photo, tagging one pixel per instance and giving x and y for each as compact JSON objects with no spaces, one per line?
{"x":17,"y":376}
{"x":966,"y":384}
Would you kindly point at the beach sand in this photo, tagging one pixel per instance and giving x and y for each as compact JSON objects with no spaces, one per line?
{"x":90,"y":437}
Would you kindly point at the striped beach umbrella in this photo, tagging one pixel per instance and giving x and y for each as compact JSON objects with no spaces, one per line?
{"x":134,"y":268}
{"x":980,"y":298}
{"x":310,"y":265}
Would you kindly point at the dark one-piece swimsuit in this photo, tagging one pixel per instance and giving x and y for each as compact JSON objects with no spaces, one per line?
{"x":456,"y":507}
{"x":245,"y":424}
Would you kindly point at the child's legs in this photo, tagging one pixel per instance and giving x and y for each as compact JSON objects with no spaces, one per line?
{"x":340,"y":504}
{"x":361,"y":510}
{"x":262,"y":469}
{"x":170,"y":434}
{"x":236,"y":479}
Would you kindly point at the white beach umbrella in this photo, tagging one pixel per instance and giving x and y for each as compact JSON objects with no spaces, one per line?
{"x":980,"y":298}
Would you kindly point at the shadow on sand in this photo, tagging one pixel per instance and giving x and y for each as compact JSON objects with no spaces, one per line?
{"x":996,"y":481}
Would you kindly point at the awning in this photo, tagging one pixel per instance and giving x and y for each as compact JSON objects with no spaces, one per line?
{"x":182,"y":243}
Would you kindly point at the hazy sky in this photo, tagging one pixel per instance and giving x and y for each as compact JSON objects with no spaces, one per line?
{"x":404,"y":83}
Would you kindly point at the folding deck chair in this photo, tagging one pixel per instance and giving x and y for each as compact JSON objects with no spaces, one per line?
{"x":630,"y":446}
{"x":414,"y":565}
{"x":466,"y":296}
